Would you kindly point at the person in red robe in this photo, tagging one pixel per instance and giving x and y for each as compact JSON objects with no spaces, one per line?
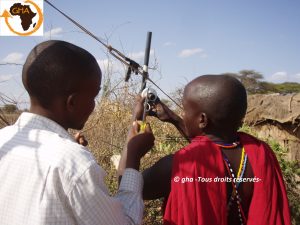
{"x":223,"y":176}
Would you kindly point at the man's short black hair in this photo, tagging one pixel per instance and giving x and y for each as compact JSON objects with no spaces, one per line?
{"x":222,"y":97}
{"x":56,"y":68}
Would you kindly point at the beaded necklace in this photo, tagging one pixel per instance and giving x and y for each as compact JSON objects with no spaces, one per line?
{"x":235,"y":184}
{"x":240,"y":175}
{"x":236,"y":195}
{"x":227,"y":145}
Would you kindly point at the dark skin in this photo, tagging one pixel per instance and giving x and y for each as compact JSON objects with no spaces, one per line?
{"x":197,"y":120}
{"x":72,"y":110}
{"x":72,"y":106}
{"x":135,"y":139}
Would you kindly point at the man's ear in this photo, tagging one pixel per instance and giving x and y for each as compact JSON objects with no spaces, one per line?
{"x":71,"y":102}
{"x":202,"y":121}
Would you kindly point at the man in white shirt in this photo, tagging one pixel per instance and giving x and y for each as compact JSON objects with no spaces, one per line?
{"x":46,"y":177}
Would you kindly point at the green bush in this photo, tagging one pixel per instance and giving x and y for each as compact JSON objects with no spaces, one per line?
{"x":290,"y":171}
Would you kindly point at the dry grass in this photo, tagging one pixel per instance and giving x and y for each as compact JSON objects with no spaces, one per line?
{"x":8,"y":118}
{"x":108,"y":129}
{"x":106,"y":132}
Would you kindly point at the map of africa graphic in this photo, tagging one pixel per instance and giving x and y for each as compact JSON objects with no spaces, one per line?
{"x":25,"y":13}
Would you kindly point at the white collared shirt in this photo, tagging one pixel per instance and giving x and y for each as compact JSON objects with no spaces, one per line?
{"x":47,"y":178}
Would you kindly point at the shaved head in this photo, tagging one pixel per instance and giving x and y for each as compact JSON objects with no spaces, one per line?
{"x":222,"y":98}
{"x":56,"y":68}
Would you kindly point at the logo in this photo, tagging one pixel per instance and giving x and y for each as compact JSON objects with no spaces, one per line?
{"x":21,"y":18}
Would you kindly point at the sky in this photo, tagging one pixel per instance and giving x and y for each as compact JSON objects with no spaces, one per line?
{"x":189,"y":38}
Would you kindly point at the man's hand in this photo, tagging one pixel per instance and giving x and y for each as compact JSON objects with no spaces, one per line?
{"x":138,"y":145}
{"x":162,"y":112}
{"x":158,"y":109}
{"x":138,"y":109}
{"x":80,"y":139}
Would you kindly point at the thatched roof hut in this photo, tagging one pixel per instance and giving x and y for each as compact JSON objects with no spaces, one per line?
{"x":277,"y":117}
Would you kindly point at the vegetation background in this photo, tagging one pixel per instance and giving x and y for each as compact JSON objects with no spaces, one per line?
{"x":107,"y":128}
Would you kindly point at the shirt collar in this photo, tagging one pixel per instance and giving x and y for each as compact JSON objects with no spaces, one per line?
{"x":35,"y":121}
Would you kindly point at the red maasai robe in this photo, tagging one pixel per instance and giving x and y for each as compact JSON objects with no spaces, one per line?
{"x":197,"y":203}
